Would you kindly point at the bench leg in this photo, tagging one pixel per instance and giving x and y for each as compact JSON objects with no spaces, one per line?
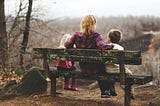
{"x":53,"y":86}
{"x":128,"y":87}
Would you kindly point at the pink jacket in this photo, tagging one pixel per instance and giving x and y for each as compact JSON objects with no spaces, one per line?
{"x":64,"y":64}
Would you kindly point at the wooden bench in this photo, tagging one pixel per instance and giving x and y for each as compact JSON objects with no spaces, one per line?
{"x":93,"y":55}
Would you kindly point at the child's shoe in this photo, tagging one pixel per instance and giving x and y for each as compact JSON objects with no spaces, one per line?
{"x":113,"y":93}
{"x":74,"y":85}
{"x":67,"y":85}
{"x":74,"y":89}
{"x":105,"y":94}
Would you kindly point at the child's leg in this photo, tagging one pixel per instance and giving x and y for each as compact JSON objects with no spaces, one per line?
{"x":104,"y":88}
{"x":112,"y":88}
{"x":67,"y":85}
{"x":74,"y":84}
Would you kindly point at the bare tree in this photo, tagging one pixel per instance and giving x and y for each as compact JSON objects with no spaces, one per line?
{"x":26,"y":33}
{"x":3,"y":36}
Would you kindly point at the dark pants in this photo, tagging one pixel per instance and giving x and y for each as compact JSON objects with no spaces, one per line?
{"x":105,"y":85}
{"x":99,"y":69}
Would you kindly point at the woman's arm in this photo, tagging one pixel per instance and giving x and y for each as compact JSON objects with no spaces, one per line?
{"x":70,"y":42}
{"x":101,"y":44}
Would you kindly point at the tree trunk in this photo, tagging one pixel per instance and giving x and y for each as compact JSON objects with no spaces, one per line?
{"x":3,"y":36}
{"x":26,"y":33}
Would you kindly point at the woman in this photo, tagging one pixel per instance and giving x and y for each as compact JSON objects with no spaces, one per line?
{"x":88,"y":38}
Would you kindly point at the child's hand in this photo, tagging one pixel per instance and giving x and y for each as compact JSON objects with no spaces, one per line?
{"x":109,"y":47}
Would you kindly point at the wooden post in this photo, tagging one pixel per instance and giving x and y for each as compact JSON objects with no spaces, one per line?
{"x":46,"y":65}
{"x":123,"y":78}
{"x":52,"y":77}
{"x":121,"y":68}
{"x":53,"y":86}
{"x":128,"y":87}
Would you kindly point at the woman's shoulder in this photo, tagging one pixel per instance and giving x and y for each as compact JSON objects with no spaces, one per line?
{"x":96,"y":34}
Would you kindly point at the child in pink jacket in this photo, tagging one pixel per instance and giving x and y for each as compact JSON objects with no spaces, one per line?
{"x":66,"y":66}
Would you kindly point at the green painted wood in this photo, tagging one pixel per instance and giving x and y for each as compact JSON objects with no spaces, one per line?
{"x":89,"y":55}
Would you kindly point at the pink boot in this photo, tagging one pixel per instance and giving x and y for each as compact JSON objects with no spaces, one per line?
{"x":74,"y":85}
{"x":67,"y":85}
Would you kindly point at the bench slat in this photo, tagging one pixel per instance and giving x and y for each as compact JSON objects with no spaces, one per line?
{"x":89,"y":55}
{"x":138,"y":79}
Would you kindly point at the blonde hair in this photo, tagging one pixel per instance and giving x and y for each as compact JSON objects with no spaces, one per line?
{"x":63,"y":40}
{"x":114,"y":35}
{"x":88,"y":25}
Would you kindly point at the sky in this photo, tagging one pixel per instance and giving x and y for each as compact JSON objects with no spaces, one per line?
{"x":50,"y":9}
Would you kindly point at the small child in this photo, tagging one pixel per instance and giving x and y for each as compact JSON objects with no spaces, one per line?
{"x":67,"y":66}
{"x":113,"y":38}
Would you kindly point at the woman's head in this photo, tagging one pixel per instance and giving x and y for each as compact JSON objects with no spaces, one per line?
{"x":88,"y":24}
{"x":114,"y":35}
{"x":64,"y":38}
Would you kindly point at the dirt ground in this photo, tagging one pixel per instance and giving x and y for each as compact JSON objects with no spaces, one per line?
{"x":85,"y":97}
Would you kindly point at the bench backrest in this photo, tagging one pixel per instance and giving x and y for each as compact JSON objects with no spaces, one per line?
{"x":90,"y":55}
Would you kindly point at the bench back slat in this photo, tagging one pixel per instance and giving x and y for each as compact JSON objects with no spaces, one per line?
{"x":89,"y":55}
